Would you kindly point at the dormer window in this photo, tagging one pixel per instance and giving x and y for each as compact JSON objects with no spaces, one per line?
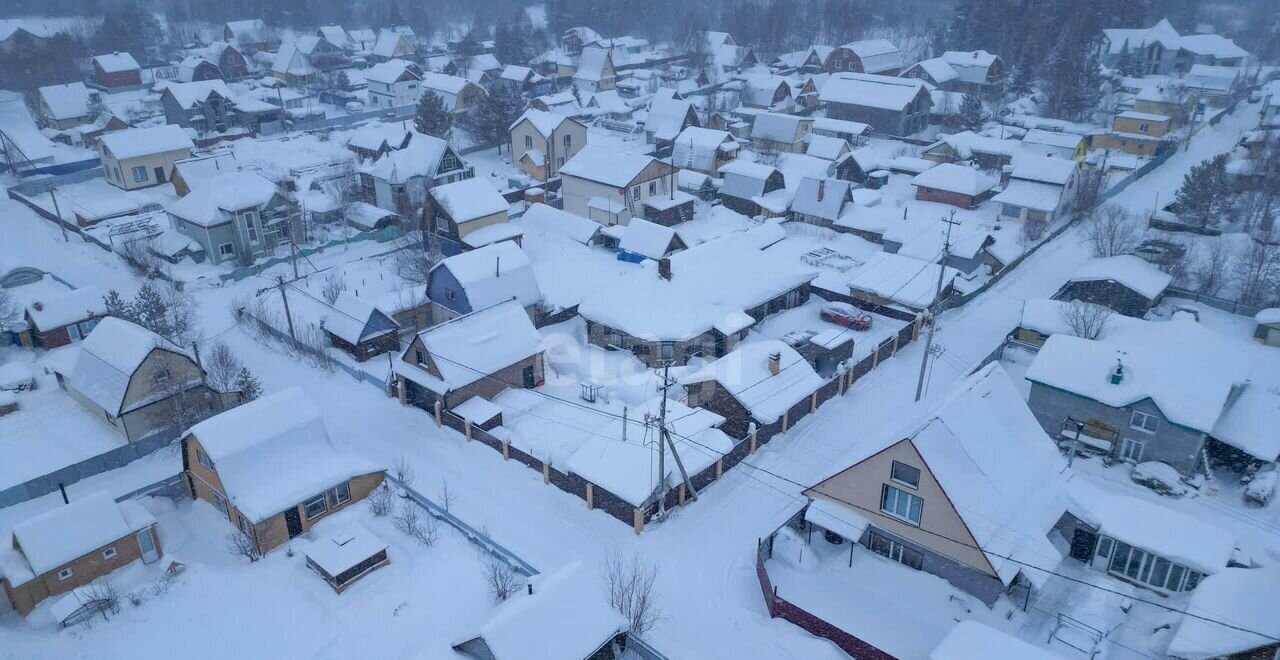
{"x":420,"y":356}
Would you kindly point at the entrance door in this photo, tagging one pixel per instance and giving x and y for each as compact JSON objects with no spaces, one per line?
{"x":1082,"y":543}
{"x":147,"y":543}
{"x":293,"y":521}
{"x":160,"y":175}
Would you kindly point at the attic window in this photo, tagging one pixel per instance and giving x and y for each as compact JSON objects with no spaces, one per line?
{"x":65,"y":573}
{"x":204,"y":460}
{"x":905,"y":474}
{"x":421,"y":357}
{"x":109,"y":553}
{"x":161,"y":376}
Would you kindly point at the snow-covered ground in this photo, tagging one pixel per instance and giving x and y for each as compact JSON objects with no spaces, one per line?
{"x":705,"y":552}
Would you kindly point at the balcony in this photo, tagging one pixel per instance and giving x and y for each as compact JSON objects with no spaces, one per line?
{"x":1092,"y":435}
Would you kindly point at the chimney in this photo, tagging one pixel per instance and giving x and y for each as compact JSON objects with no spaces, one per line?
{"x":775,"y":363}
{"x":664,"y":268}
{"x":38,"y":306}
{"x":530,"y":585}
{"x":1118,"y":374}
{"x":497,"y":267}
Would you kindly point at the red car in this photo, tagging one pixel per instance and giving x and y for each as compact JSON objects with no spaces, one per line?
{"x":846,"y":315}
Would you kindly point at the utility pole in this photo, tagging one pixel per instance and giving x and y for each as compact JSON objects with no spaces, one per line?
{"x":58,"y":212}
{"x":288,"y":317}
{"x":664,"y":441}
{"x":942,"y":269}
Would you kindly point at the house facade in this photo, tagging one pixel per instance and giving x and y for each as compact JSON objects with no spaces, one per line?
{"x":869,"y":56}
{"x":116,"y":70}
{"x":235,"y":217}
{"x":204,"y":105}
{"x":458,"y":211}
{"x":65,"y":319}
{"x":897,"y":106}
{"x":542,"y":142}
{"x":142,"y":157}
{"x":1160,"y":50}
{"x":393,"y":84}
{"x":478,"y":279}
{"x":612,"y":188}
{"x":399,"y":180}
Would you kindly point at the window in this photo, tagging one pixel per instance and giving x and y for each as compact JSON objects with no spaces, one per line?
{"x":245,"y":525}
{"x":450,"y":294}
{"x":449,"y":162}
{"x":896,"y":551}
{"x":666,"y":350}
{"x":161,"y":376}
{"x":226,"y":250}
{"x":204,"y":459}
{"x":1131,"y":449}
{"x":109,"y":553}
{"x":139,"y":174}
{"x":653,"y":188}
{"x":635,"y":193}
{"x":1144,"y":127}
{"x":65,"y":573}
{"x":568,"y":140}
{"x":421,"y":356}
{"x":220,"y":502}
{"x":901,"y":504}
{"x":1154,"y":571}
{"x":1104,"y":547}
{"x":1010,"y":211}
{"x":339,"y":495}
{"x":528,"y":142}
{"x":315,"y":506}
{"x":442,"y":223}
{"x":1145,"y":422}
{"x":905,"y":474}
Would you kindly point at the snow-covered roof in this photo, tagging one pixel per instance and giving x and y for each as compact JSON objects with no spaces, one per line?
{"x":387,"y":43}
{"x":188,"y":94}
{"x":839,"y":519}
{"x":355,"y":319}
{"x":591,"y":64}
{"x":952,"y":177}
{"x":967,"y":143}
{"x":372,"y":137}
{"x":823,"y":198}
{"x":1212,"y":44}
{"x":829,"y":125}
{"x":696,"y":147}
{"x":744,"y":179}
{"x":545,"y":123}
{"x":477,"y":410}
{"x":1250,"y":420}
{"x":778,"y":127}
{"x":68,"y":532}
{"x":1167,"y":532}
{"x":1053,"y":138}
{"x":1268,"y":316}
{"x":391,"y":71}
{"x":517,"y":73}
{"x":872,"y":91}
{"x":340,"y":549}
{"x":66,"y":101}
{"x":1046,"y":169}
{"x":502,"y":231}
{"x":1142,"y":116}
{"x":1212,"y":78}
{"x":646,"y":239}
{"x":570,"y":225}
{"x":135,"y":142}
{"x":1030,"y":194}
{"x":494,"y":273}
{"x":712,"y":285}
{"x":826,"y":147}
{"x":1221,"y":605}
{"x":744,"y":374}
{"x":1133,"y":272}
{"x":334,"y":34}
{"x":469,"y":199}
{"x":902,"y":279}
{"x":420,"y":159}
{"x":75,"y":305}
{"x":876,"y":54}
{"x":606,"y":165}
{"x":1118,"y":39}
{"x":666,"y":116}
{"x":116,"y":62}
{"x":439,"y":82}
{"x":210,"y":201}
{"x":252,"y":443}
{"x":533,"y":626}
{"x":473,"y":346}
{"x":109,"y":356}
{"x":971,"y":640}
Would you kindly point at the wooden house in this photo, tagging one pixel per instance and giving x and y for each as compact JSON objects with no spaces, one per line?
{"x":360,"y":328}
{"x":72,"y":545}
{"x":235,"y":461}
{"x":877,"y":56}
{"x":897,"y":106}
{"x":1125,"y":283}
{"x":481,"y":278}
{"x":250,"y":34}
{"x":601,"y":184}
{"x":458,"y":211}
{"x":780,"y":133}
{"x":957,"y":185}
{"x":542,"y":142}
{"x":142,"y":157}
{"x":753,"y":189}
{"x":64,"y":319}
{"x":115,"y":70}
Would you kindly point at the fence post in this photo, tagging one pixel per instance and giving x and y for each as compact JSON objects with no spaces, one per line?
{"x":680,"y":496}
{"x":813,"y":401}
{"x":546,"y":473}
{"x":753,"y":442}
{"x":400,"y":391}
{"x":637,"y":520}
{"x":591,"y":496}
{"x":438,"y":422}
{"x":506,"y":450}
{"x":875,"y":356}
{"x":915,"y":331}
{"x":840,"y":382}
{"x":895,"y":346}
{"x":719,"y":468}
{"x":466,"y":425}
{"x":786,"y":419}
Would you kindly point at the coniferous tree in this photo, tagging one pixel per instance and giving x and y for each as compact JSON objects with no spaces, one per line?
{"x":431,"y":117}
{"x":1205,"y":193}
{"x":118,"y":307}
{"x":150,"y":310}
{"x":248,"y":385}
{"x":128,"y":28}
{"x":971,"y":112}
{"x":497,"y":111}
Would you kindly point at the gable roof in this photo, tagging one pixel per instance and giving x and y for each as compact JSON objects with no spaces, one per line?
{"x":778,"y":127}
{"x":1239,"y":597}
{"x":188,"y":94}
{"x":608,"y":166}
{"x":473,"y":346}
{"x":545,"y":123}
{"x":334,"y":34}
{"x":134,"y":142}
{"x":744,"y":374}
{"x":60,"y":535}
{"x":226,"y":192}
{"x":569,"y":225}
{"x":1133,"y":272}
{"x":66,"y":101}
{"x":196,"y":170}
{"x":646,"y":239}
{"x":1045,"y":169}
{"x":108,"y":358}
{"x":391,"y":71}
{"x":820,"y":197}
{"x":591,"y":64}
{"x":876,"y":54}
{"x":971,"y":640}
{"x":744,"y":179}
{"x":494,"y":273}
{"x":666,"y":116}
{"x":904,"y":280}
{"x":469,"y":199}
{"x":67,"y":307}
{"x":116,"y":62}
{"x":952,"y":177}
{"x":373,"y":136}
{"x":421,"y":158}
{"x":250,"y":443}
{"x":872,"y":91}
{"x":388,"y":42}
{"x":696,"y":147}
{"x":355,"y":319}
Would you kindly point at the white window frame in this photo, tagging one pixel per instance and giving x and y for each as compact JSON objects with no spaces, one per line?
{"x":528,"y":142}
{"x":653,"y":188}
{"x":109,"y":553}
{"x":1144,"y":422}
{"x":226,"y":250}
{"x":893,"y":477}
{"x":203,"y":459}
{"x":333,"y":498}
{"x":323,"y":502}
{"x":635,"y":193}
{"x":897,"y":498}
{"x":143,"y":178}
{"x":65,"y":574}
{"x":1132,"y":449}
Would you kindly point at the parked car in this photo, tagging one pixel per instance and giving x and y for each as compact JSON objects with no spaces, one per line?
{"x":1261,"y":487}
{"x":1160,"y":477}
{"x":847,"y":315}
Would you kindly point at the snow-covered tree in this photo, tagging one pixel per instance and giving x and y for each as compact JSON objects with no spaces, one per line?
{"x":497,"y":111}
{"x":972,"y":113}
{"x":431,"y":117}
{"x":1205,"y":193}
{"x":248,"y":385}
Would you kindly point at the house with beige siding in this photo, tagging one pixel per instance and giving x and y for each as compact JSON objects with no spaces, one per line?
{"x":467,"y":214}
{"x":477,"y":354}
{"x":929,"y":499}
{"x":142,"y":157}
{"x":270,"y":467}
{"x":610,"y":187}
{"x":542,"y":142}
{"x":72,"y":545}
{"x":133,"y":378}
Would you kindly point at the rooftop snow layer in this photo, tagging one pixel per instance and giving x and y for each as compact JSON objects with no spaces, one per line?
{"x":116,"y":62}
{"x":494,"y":273}
{"x":74,"y":305}
{"x":212,"y":201}
{"x":1133,"y":272}
{"x":951,"y":177}
{"x":1238,"y":598}
{"x":883,"y":92}
{"x":744,"y":374}
{"x":469,"y":199}
{"x":58,"y":536}
{"x":971,"y":640}
{"x":109,"y":356}
{"x":135,"y":142}
{"x":902,"y":279}
{"x":606,"y":165}
{"x":473,"y":346}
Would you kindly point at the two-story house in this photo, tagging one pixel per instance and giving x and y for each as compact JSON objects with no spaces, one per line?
{"x":142,"y":157}
{"x":542,"y":142}
{"x":897,"y":106}
{"x":399,"y":180}
{"x":468,"y":214}
{"x":206,"y":105}
{"x":481,"y":278}
{"x":878,"y":56}
{"x":1040,"y":189}
{"x":234,"y":216}
{"x":611,"y":188}
{"x":393,"y":84}
{"x":703,"y":150}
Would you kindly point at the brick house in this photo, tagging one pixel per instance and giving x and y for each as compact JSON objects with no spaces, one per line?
{"x":758,"y":382}
{"x":242,"y":462}
{"x":116,"y":70}
{"x":957,"y":185}
{"x":73,"y":545}
{"x":65,"y":319}
{"x":478,"y":354}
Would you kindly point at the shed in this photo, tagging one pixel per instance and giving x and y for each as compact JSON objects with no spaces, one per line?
{"x":359,"y":328}
{"x":343,"y":555}
{"x":953,"y":184}
{"x":1125,"y":283}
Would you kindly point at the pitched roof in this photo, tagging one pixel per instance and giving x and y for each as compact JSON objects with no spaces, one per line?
{"x":545,"y":123}
{"x":227,"y":192}
{"x":134,"y":142}
{"x":391,"y":71}
{"x":108,"y":358}
{"x":494,"y":273}
{"x":388,"y":42}
{"x":66,"y":101}
{"x":606,"y":165}
{"x":60,"y":535}
{"x":696,"y":147}
{"x":68,"y":307}
{"x":952,"y":177}
{"x":666,"y":116}
{"x":820,"y":197}
{"x":469,"y":199}
{"x":188,"y":94}
{"x":902,"y":279}
{"x":876,"y":54}
{"x":116,"y":62}
{"x":1220,"y":606}
{"x":1045,"y":169}
{"x":1133,"y":272}
{"x":249,"y":443}
{"x":778,"y":127}
{"x":971,"y":640}
{"x":421,"y":158}
{"x":646,"y":239}
{"x":355,"y":319}
{"x":473,"y":346}
{"x":572,"y":226}
{"x":744,"y":374}
{"x":884,"y":92}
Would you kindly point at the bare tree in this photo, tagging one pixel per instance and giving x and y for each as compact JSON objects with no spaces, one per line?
{"x":1112,"y":231}
{"x":1086,"y":320}
{"x":1089,"y":188}
{"x":100,"y":596}
{"x":1258,"y":273}
{"x":1032,"y":232}
{"x":243,"y":545}
{"x":137,"y":253}
{"x":446,"y":495}
{"x":403,"y":471}
{"x":500,"y":577}
{"x":222,"y":366}
{"x":334,"y":285}
{"x":415,"y":256}
{"x":630,"y":588}
{"x":180,"y":309}
{"x":382,"y":500}
{"x":417,"y":524}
